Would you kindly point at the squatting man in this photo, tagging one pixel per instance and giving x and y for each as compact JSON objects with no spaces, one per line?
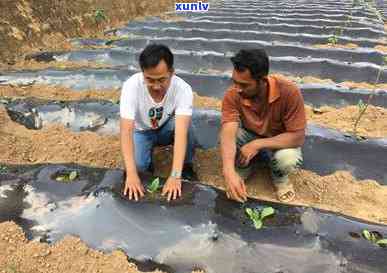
{"x":263,"y":120}
{"x":156,"y":110}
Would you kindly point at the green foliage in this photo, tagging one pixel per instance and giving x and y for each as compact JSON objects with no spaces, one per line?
{"x":374,"y":238}
{"x":200,"y":71}
{"x":369,"y":236}
{"x":361,"y":105}
{"x":67,"y":177}
{"x":382,"y":243}
{"x":154,"y":186}
{"x":99,"y":15}
{"x":333,"y":39}
{"x":257,"y":216}
{"x":3,"y":169}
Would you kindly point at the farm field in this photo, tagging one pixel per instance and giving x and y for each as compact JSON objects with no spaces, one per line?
{"x":61,"y":209}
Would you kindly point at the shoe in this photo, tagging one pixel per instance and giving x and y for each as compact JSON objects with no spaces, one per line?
{"x":285,"y":191}
{"x":188,"y":172}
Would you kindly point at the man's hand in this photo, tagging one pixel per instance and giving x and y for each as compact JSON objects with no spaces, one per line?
{"x":236,"y":188}
{"x":133,"y":187}
{"x":247,"y":152}
{"x":172,"y":188}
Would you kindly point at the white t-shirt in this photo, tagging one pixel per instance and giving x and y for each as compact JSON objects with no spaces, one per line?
{"x":137,"y":104}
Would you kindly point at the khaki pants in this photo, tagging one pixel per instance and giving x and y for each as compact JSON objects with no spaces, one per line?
{"x":281,"y":162}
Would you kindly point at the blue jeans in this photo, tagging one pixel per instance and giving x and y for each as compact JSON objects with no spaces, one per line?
{"x":145,"y":141}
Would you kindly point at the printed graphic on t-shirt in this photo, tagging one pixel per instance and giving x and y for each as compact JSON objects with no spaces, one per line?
{"x":155,"y":114}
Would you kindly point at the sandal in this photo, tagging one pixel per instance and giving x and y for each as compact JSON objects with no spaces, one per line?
{"x":285,"y":192}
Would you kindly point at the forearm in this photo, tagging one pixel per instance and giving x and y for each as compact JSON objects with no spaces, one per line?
{"x":179,"y":154}
{"x":127,"y":149}
{"x":180,"y":143}
{"x":282,"y":141}
{"x":228,"y":148}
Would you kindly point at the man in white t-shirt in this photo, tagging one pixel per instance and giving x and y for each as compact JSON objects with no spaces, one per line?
{"x":156,"y":109}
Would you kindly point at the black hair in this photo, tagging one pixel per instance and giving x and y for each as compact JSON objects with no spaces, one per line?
{"x":255,"y":60}
{"x":153,"y":54}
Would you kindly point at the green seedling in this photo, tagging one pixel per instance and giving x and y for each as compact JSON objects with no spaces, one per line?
{"x":200,"y":71}
{"x":382,"y":243}
{"x":361,"y":105}
{"x":333,"y":39}
{"x":154,"y":186}
{"x":196,"y":71}
{"x":3,"y":169}
{"x":67,"y":177}
{"x":374,"y":237}
{"x":99,"y":15}
{"x":364,"y":106}
{"x":257,"y":216}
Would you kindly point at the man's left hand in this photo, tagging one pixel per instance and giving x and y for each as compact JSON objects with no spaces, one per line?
{"x":247,"y":152}
{"x":172,"y":188}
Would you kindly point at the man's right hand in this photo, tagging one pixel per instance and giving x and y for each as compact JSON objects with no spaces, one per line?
{"x":133,"y":187}
{"x":236,"y":188}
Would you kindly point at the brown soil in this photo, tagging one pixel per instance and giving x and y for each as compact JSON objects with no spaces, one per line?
{"x":339,"y":192}
{"x":70,"y":255}
{"x":33,"y":25}
{"x":381,"y":48}
{"x":57,"y":93}
{"x":373,"y":123}
{"x":363,"y":199}
{"x":365,"y":85}
{"x":309,"y":79}
{"x":46,"y":92}
{"x":348,"y":84}
{"x":329,"y":45}
{"x":34,"y":65}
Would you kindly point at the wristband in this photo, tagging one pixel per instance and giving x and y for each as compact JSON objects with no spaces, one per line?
{"x":175,"y":174}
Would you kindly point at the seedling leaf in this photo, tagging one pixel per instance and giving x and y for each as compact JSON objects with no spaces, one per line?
{"x":73,"y":175}
{"x":258,"y":216}
{"x":254,"y":215}
{"x":99,"y":15}
{"x":154,"y":186}
{"x":267,"y":212}
{"x":361,"y":105}
{"x":370,"y":236}
{"x":258,"y":224}
{"x":3,"y":169}
{"x":367,"y":235}
{"x":60,"y":178}
{"x":382,"y":242}
{"x":333,"y":39}
{"x":250,"y":212}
